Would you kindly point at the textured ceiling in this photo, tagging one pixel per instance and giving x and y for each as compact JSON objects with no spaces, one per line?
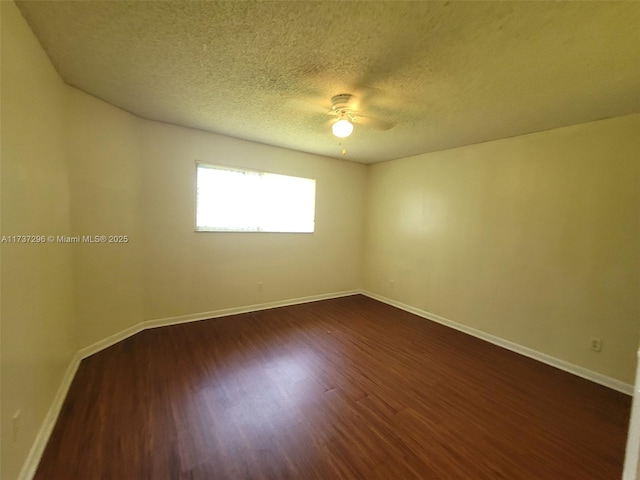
{"x":445,"y":73}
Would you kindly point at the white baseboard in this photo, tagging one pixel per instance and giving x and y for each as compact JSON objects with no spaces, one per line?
{"x":596,"y":377}
{"x":632,"y":451}
{"x":39,"y":444}
{"x":37,"y":449}
{"x":196,"y":317}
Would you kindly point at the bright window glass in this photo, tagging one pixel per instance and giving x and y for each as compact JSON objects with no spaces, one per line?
{"x":234,"y":200}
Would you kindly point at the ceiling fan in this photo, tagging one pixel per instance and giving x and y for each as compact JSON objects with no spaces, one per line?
{"x":344,"y":109}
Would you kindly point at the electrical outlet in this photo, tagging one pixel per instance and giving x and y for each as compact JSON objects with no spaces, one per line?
{"x":260,"y":285}
{"x":596,"y":344}
{"x":15,"y":425}
{"x":392,"y":283}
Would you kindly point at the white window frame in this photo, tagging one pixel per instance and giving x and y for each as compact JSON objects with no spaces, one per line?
{"x":255,"y":207}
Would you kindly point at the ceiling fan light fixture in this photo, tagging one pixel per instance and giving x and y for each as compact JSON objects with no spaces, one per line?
{"x":342,"y":128}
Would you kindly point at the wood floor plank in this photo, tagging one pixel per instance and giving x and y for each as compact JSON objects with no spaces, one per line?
{"x":344,"y":388}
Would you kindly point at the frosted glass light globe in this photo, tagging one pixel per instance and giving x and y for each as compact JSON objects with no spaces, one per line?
{"x":342,"y":128}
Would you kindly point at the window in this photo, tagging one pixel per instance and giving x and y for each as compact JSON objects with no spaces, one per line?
{"x":234,"y":200}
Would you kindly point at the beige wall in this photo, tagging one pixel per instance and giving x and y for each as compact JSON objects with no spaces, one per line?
{"x":37,"y":294}
{"x":106,"y":169}
{"x":532,"y":239}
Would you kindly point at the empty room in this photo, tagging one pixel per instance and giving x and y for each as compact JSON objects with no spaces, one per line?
{"x":319,"y":240}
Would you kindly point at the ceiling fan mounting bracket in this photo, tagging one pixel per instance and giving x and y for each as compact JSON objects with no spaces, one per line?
{"x":341,"y":107}
{"x":345,"y":107}
{"x":341,"y":102}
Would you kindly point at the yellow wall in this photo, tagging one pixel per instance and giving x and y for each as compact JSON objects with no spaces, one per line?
{"x":532,"y":239}
{"x":37,"y":293}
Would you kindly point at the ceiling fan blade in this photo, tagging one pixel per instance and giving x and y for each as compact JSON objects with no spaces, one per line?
{"x":373,"y":123}
{"x":306,"y":106}
{"x":362,"y":96}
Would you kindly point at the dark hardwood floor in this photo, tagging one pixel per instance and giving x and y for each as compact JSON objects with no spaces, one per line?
{"x":344,"y":388}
